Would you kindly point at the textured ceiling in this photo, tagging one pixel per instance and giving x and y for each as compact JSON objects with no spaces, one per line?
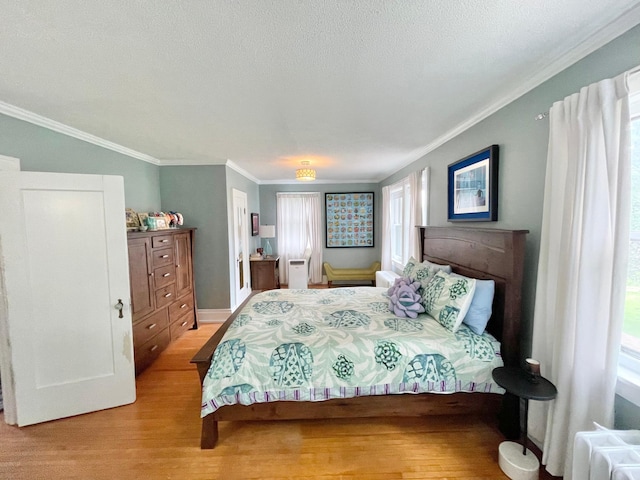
{"x":359,"y":88}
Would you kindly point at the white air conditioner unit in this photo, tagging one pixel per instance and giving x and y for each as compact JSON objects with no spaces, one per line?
{"x":298,"y":273}
{"x":299,"y":270}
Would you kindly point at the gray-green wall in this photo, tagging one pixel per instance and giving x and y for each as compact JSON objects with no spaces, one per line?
{"x":200,"y":194}
{"x":339,"y":257}
{"x":523,"y":145}
{"x":42,"y":150}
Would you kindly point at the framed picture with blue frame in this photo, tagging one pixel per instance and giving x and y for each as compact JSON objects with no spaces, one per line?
{"x":473,"y":187}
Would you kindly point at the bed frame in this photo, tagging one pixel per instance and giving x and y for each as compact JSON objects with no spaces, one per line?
{"x":478,"y":253}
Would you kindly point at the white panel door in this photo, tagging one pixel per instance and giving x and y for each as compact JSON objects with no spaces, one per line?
{"x":241,"y":246}
{"x":64,"y":254}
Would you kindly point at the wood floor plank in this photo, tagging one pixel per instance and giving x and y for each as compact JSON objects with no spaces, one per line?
{"x":158,"y":437}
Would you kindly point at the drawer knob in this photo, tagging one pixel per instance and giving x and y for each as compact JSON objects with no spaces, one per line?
{"x":184,"y":323}
{"x":164,"y":240}
{"x":164,"y":256}
{"x":184,"y":305}
{"x":152,"y":326}
{"x":154,"y":348}
{"x":167,"y":295}
{"x":166,"y":275}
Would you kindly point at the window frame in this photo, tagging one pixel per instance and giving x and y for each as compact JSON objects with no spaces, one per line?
{"x":628,"y":384}
{"x":401,"y":190}
{"x":396,"y":194}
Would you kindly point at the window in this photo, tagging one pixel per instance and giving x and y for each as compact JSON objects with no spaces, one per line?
{"x":399,"y":210}
{"x":407,"y":207}
{"x":629,"y":365}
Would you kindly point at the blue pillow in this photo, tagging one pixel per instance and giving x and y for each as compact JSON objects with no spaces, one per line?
{"x":480,"y":310}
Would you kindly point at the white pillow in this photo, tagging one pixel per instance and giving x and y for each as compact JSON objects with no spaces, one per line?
{"x":447,"y":298}
{"x":408,"y":268}
{"x":423,"y":272}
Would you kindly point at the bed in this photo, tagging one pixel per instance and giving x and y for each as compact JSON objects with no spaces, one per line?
{"x":488,"y":254}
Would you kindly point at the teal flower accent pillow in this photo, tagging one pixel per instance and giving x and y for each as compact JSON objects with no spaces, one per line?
{"x":447,"y":298}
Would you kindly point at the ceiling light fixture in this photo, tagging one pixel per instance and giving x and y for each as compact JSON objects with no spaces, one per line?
{"x":305,"y":174}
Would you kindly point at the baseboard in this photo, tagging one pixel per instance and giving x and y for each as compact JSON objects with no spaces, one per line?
{"x":213,"y":315}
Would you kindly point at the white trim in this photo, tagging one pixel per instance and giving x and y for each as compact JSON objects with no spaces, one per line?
{"x":34,"y":118}
{"x":241,"y":171}
{"x":285,"y":194}
{"x":9,"y":164}
{"x":634,"y":80}
{"x":624,"y":22}
{"x":628,"y":385}
{"x":290,"y":181}
{"x":189,"y":162}
{"x":213,"y":315}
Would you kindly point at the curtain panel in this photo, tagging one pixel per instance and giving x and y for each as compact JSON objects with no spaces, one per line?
{"x":299,"y":225}
{"x":582,"y":266}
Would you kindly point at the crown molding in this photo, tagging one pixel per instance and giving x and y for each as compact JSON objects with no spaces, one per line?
{"x":186,"y":162}
{"x":289,"y":181}
{"x":39,"y":120}
{"x":625,"y":21}
{"x":234,"y":166}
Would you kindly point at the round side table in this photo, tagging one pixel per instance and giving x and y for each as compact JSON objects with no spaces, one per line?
{"x":517,"y":461}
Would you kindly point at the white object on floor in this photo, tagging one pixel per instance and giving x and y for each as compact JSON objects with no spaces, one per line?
{"x":605,"y":459}
{"x":299,"y":271}
{"x":515,"y":465}
{"x":626,"y":472}
{"x":385,"y":278}
{"x":597,"y":454}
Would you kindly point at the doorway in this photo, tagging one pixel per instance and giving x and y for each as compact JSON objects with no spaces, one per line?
{"x":241,"y":281}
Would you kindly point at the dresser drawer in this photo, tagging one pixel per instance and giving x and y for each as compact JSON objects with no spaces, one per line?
{"x":180,"y":307}
{"x":165,"y":295}
{"x":162,"y":241}
{"x":150,"y":326}
{"x":146,"y":353}
{"x":164,"y":276}
{"x":181,"y":325}
{"x":161,"y":257}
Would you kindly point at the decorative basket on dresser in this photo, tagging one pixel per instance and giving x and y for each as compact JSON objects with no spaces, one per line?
{"x":163,"y":302}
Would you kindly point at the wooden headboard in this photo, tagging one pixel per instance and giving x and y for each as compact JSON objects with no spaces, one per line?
{"x":487,"y":254}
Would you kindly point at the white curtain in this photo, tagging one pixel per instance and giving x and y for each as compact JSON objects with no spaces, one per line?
{"x":386,"y":229}
{"x":418,"y":193}
{"x":582,"y":266}
{"x":299,"y":225}
{"x":414,"y":192}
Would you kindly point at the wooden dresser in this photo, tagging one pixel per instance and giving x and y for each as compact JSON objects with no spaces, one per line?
{"x":163,"y":303}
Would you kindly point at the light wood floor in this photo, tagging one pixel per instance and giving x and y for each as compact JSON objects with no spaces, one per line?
{"x":158,"y":436}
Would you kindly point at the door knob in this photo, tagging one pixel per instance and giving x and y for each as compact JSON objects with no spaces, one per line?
{"x":120,"y":306}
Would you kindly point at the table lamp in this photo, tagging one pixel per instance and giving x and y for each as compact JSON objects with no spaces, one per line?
{"x":267,"y":232}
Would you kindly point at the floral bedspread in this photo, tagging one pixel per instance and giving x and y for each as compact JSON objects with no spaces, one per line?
{"x":314,"y":345}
